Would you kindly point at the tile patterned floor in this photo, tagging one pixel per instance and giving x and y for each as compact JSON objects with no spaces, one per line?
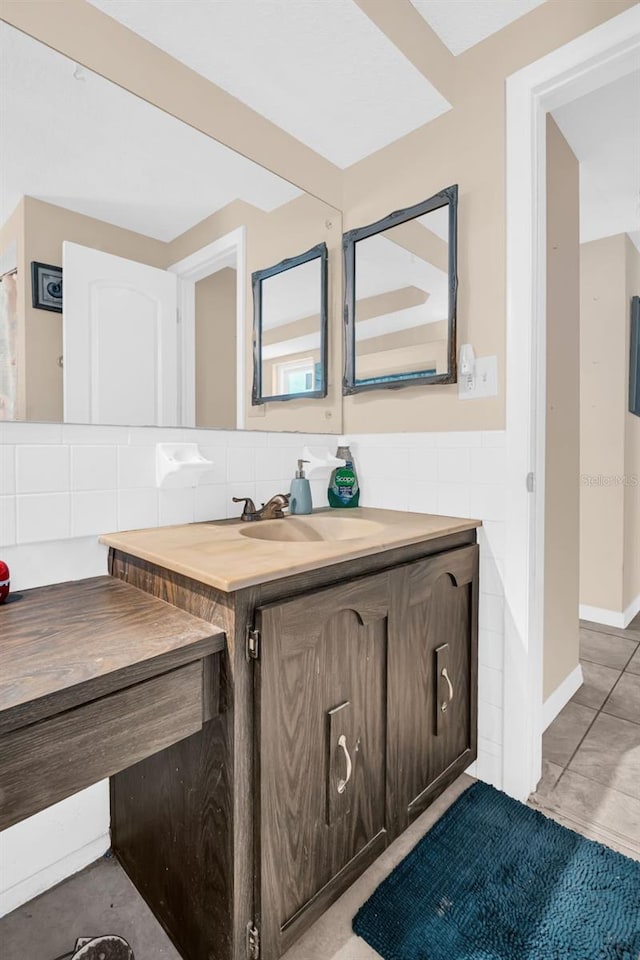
{"x":591,"y":751}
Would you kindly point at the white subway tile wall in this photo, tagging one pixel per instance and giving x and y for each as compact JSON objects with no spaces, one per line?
{"x":455,"y":474}
{"x":61,"y":485}
{"x":72,"y":481}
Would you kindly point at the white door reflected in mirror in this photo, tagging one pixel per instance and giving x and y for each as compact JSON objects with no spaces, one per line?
{"x":120,"y":340}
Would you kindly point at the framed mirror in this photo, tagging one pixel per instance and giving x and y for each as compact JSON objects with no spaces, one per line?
{"x":400,"y":297}
{"x":290,"y":323}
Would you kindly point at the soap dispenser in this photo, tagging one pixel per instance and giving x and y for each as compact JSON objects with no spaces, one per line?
{"x":300,"y":502}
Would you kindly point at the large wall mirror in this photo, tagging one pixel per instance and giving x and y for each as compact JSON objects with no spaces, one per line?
{"x":400,"y":297}
{"x":290,"y":328}
{"x":157,"y":229}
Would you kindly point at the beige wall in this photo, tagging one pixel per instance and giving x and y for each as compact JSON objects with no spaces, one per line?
{"x":631,"y":563}
{"x":465,"y":145}
{"x":562,"y":469}
{"x":604,"y":380}
{"x":216,"y":350}
{"x":610,"y":435}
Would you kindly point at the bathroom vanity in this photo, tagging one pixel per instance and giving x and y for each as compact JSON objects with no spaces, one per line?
{"x":347,"y":703}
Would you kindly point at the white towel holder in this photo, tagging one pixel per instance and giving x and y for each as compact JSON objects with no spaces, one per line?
{"x":180,"y":465}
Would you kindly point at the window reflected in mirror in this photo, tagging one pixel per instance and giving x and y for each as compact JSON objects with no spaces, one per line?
{"x":290,"y":328}
{"x":401,"y":293}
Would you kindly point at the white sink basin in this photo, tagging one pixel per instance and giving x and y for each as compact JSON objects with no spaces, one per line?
{"x":311,"y":529}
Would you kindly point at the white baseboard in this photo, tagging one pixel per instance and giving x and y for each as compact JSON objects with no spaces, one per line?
{"x":52,"y":874}
{"x":632,"y":611}
{"x":561,"y":696}
{"x":611,"y":618}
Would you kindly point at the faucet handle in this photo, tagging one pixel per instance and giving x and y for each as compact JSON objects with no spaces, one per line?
{"x":249,"y":505}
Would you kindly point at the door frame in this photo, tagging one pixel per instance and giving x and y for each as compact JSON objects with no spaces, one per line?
{"x":226,"y":251}
{"x":597,"y":57}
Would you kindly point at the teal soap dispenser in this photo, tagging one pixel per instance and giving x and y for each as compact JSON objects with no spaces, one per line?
{"x":300,"y":502}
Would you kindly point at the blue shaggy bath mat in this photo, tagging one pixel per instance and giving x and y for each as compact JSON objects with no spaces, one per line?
{"x":496,"y":880}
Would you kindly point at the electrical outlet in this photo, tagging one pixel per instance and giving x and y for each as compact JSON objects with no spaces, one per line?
{"x":485,"y":380}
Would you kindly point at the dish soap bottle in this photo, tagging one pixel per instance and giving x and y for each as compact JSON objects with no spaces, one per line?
{"x":344,"y":490}
{"x":300,"y":502}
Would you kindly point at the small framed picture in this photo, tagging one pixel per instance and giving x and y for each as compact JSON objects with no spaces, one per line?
{"x":46,"y":286}
{"x":634,"y":367}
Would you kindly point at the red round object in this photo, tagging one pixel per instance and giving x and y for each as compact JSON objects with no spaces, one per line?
{"x":4,"y":581}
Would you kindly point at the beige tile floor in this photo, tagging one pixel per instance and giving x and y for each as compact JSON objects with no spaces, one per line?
{"x":591,"y":783}
{"x":591,"y":751}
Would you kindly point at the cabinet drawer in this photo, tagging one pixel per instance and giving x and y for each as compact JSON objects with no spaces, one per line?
{"x":47,"y":761}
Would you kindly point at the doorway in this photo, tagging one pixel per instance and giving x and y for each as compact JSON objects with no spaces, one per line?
{"x":212,"y":284}
{"x":598,"y":57}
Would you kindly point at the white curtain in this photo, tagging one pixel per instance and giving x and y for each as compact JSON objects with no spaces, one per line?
{"x":8,"y":366}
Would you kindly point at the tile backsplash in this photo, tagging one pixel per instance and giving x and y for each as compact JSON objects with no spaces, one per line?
{"x":457,"y":474}
{"x":61,"y":485}
{"x":64,"y":484}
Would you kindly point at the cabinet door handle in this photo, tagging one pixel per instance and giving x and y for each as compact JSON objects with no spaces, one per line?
{"x":342,"y":784}
{"x":445,"y":703}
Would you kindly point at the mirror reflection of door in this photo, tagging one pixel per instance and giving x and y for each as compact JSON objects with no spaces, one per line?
{"x":120,"y":339}
{"x":402,"y":299}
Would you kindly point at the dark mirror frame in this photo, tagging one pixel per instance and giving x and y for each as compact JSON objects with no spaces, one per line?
{"x":257,"y":278}
{"x":634,"y":358}
{"x":350,"y":385}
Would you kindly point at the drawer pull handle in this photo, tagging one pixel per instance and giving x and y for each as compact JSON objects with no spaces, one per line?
{"x":342,"y":784}
{"x":445,"y":703}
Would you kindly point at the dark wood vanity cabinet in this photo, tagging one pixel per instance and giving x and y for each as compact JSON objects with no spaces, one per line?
{"x":432,"y":681}
{"x":348,"y":703}
{"x":320,"y":688}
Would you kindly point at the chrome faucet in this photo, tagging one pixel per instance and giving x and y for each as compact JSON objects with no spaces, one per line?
{"x":273,"y":510}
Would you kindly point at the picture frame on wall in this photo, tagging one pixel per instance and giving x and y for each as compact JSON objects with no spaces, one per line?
{"x":46,"y":287}
{"x":634,"y":368}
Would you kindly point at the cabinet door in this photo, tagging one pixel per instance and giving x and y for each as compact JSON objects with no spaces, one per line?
{"x":320,"y":688}
{"x":432,"y":679}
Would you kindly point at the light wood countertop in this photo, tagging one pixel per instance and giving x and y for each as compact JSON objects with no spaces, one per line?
{"x":226,"y":555}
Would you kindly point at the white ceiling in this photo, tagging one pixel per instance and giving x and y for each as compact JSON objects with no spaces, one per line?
{"x":437,"y":221}
{"x":322,"y":71}
{"x":292,"y":295}
{"x":94,"y":148}
{"x":603,"y":130}
{"x":383,"y":266}
{"x":461,"y":24}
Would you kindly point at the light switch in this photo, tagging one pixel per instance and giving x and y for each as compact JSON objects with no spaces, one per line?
{"x":485,"y":380}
